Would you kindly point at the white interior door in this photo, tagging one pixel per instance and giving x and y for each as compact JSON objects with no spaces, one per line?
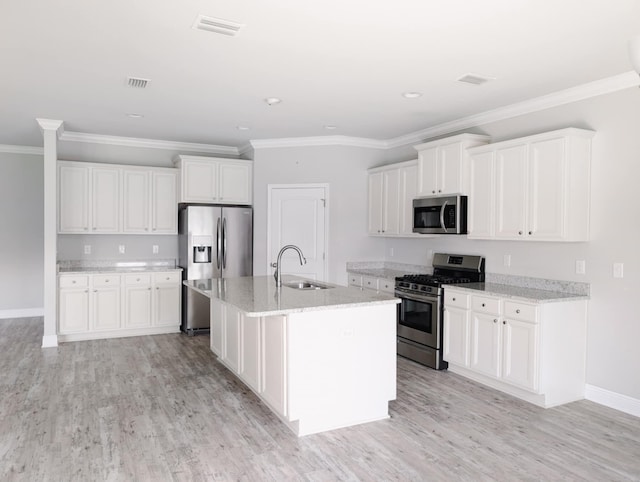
{"x":297,"y":215}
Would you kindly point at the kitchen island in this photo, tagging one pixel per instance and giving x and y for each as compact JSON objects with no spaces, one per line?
{"x":319,"y":358}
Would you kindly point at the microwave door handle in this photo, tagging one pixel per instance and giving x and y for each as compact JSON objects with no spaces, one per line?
{"x":444,"y":204}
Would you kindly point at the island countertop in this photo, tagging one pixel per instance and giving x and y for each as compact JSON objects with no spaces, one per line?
{"x":258,"y":295}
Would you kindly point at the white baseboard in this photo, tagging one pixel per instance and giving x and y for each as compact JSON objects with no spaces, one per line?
{"x":26,"y":313}
{"x":49,"y":341}
{"x":612,"y":400}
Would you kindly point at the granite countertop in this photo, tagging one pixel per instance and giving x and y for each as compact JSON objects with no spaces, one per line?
{"x":258,"y":295}
{"x":384,"y":270}
{"x":112,"y":266}
{"x":518,"y":292}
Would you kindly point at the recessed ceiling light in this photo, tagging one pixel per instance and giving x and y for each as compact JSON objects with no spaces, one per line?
{"x":475,"y":79}
{"x":330,"y":127}
{"x":242,"y":128}
{"x":217,"y":25}
{"x":412,"y":95}
{"x":135,"y":116}
{"x":272,"y":100}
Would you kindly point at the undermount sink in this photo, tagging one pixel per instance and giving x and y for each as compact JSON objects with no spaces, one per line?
{"x":305,"y":285}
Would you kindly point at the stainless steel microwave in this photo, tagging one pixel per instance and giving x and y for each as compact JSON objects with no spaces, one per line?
{"x":440,"y":215}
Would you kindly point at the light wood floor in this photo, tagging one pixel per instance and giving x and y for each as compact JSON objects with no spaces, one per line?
{"x":162,"y":408}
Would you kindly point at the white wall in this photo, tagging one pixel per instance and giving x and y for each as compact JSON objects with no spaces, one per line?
{"x":613,"y":360}
{"x":344,"y":169}
{"x":21,"y":232}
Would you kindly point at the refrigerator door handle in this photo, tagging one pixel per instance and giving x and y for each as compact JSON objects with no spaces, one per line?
{"x":218,"y":249}
{"x":224,"y":243}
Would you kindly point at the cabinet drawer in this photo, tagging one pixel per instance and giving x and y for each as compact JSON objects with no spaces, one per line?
{"x":370,"y":283}
{"x":102,"y":280}
{"x":138,"y":279}
{"x":485,"y":305}
{"x":355,"y":280}
{"x":167,"y":277}
{"x":520,"y":311}
{"x":73,"y":281}
{"x":386,"y":285}
{"x":455,"y":298}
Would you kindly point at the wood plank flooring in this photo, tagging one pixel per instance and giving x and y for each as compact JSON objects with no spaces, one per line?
{"x":161,"y":407}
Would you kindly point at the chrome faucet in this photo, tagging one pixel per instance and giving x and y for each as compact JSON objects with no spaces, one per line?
{"x":276,"y":265}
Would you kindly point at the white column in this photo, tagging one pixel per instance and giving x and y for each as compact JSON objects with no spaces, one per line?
{"x":50,"y":131}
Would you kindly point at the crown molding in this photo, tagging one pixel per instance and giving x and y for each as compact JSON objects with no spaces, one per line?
{"x":567,"y":96}
{"x":51,"y":125}
{"x":319,"y":141}
{"x":148,"y":143}
{"x":34,"y":151}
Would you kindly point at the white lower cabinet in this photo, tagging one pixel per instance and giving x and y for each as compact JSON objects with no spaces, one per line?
{"x":274,"y":388}
{"x":535,"y":351}
{"x":372,"y":283}
{"x":251,"y":352}
{"x":113,"y":305}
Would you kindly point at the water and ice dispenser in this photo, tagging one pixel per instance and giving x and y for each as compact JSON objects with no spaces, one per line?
{"x":202,"y":249}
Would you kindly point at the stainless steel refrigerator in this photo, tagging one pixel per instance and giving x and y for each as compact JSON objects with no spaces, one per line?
{"x":213,"y":242}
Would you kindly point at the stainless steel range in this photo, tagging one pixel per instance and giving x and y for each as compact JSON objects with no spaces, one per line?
{"x":420,"y":336}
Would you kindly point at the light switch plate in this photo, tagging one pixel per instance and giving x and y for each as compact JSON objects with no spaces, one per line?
{"x":87,"y":249}
{"x":581,"y":266}
{"x":121,"y":249}
{"x":507,"y":260}
{"x":155,"y":249}
{"x":618,"y":270}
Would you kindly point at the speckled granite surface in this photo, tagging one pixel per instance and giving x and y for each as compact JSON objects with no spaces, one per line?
{"x":258,"y":295}
{"x":385,"y":270}
{"x":114,"y":266}
{"x":572,"y":287}
{"x":519,"y":292}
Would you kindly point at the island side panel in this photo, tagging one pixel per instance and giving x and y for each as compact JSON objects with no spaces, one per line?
{"x":341,"y":366}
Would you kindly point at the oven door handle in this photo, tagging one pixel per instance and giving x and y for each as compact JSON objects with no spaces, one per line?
{"x":444,"y":204}
{"x":422,"y":299}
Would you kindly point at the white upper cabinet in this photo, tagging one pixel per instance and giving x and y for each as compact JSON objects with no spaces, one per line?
{"x":391,"y":192}
{"x":214,"y":180}
{"x":443,"y":165}
{"x":150,"y":201}
{"x":88,"y":198}
{"x":542,"y":188}
{"x":105,"y":198}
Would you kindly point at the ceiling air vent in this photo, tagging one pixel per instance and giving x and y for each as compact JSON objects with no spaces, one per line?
{"x":138,"y":83}
{"x":217,"y":25}
{"x":474,"y":79}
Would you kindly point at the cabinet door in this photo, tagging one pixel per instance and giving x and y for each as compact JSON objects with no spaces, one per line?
{"x":274,"y":377}
{"x":391,"y":203}
{"x":74,"y":310}
{"x":482,"y":206}
{"x":73,"y":199}
{"x":456,"y":336}
{"x":105,"y":200}
{"x":511,"y":198}
{"x":136,"y":201}
{"x":449,"y":169}
{"x":408,"y":191}
{"x":376,"y":202}
{"x":232,"y":339}
{"x":250,"y":352}
{"x":137,"y":306}
{"x":164,"y":203}
{"x":218,"y":315}
{"x":106,"y":308}
{"x":428,"y":172}
{"x":486,"y":343}
{"x":547,"y":174}
{"x":235,"y":183}
{"x":199,"y":181}
{"x":166,"y":304}
{"x":520,"y":353}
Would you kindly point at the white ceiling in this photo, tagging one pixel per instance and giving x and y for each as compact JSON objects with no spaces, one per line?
{"x":332,"y":62}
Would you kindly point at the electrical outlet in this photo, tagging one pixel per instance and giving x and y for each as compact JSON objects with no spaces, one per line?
{"x":87,"y":249}
{"x":391,"y":252}
{"x":155,"y":249}
{"x":121,"y":249}
{"x":507,"y":260}
{"x":618,"y":270}
{"x":581,"y":266}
